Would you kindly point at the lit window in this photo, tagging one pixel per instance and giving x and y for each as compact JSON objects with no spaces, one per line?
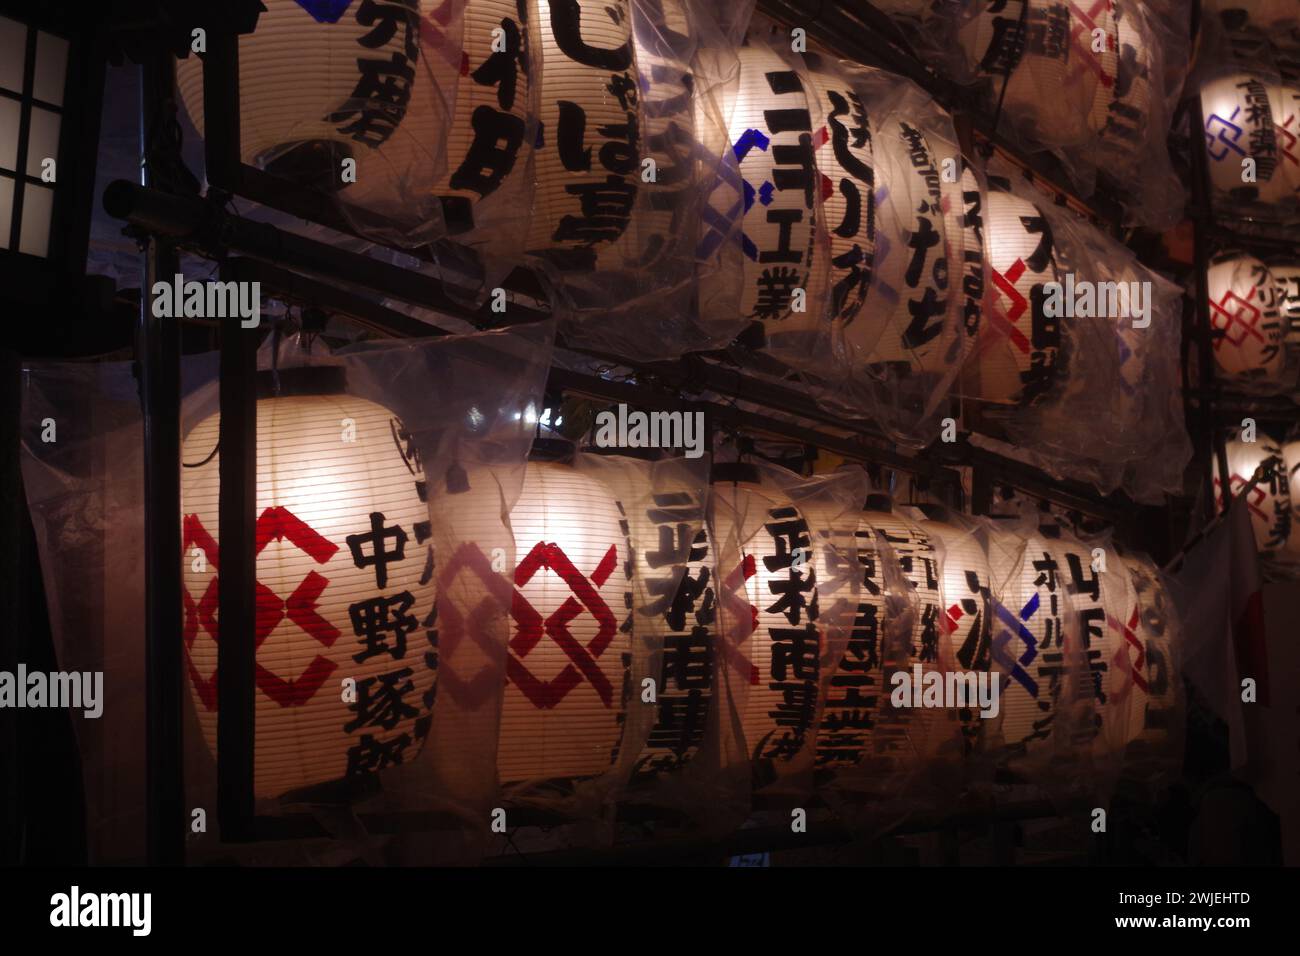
{"x":33,"y":70}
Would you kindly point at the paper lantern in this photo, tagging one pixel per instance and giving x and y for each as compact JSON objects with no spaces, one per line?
{"x":1103,"y":602}
{"x":1269,"y":501}
{"x":907,"y":320}
{"x":323,"y":82}
{"x":1285,"y":103}
{"x":344,"y":589}
{"x":1029,"y":589}
{"x":1020,"y":345}
{"x":771,"y":140}
{"x":1244,"y":314}
{"x":974,"y":281}
{"x":685,"y":685}
{"x":1286,"y":277}
{"x":857,"y":722}
{"x":1239,"y":125}
{"x":602,"y":69}
{"x":485,"y":139}
{"x":1051,"y":50}
{"x":768,"y":643}
{"x":1148,"y":634}
{"x":565,"y":695}
{"x":1121,"y":109}
{"x":847,"y":183}
{"x":967,"y":608}
{"x":1291,"y":465}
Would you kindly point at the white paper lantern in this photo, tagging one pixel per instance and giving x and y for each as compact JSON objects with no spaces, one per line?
{"x":1052,"y":50}
{"x":974,"y":281}
{"x":603,"y":70}
{"x":907,"y":321}
{"x":1149,"y":647}
{"x":319,"y":84}
{"x":1029,"y":589}
{"x":684,"y":693}
{"x":1020,"y":347}
{"x":771,"y":139}
{"x":344,"y":590}
{"x":1286,"y":276}
{"x":487,"y":154}
{"x":568,"y":654}
{"x":1269,"y":501}
{"x":1122,"y":108}
{"x":858,"y":722}
{"x":769,"y":641}
{"x":1239,"y":125}
{"x":1285,"y":103}
{"x":1291,"y":465}
{"x":1244,"y":308}
{"x":1103,"y":600}
{"x":967,"y":610}
{"x":847,"y":184}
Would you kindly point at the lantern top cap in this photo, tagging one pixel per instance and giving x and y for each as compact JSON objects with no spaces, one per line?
{"x":734,"y":471}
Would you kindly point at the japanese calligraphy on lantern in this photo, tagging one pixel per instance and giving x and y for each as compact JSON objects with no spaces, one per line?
{"x":344,"y":590}
{"x":1239,"y":125}
{"x":685,"y":685}
{"x":1269,"y":501}
{"x":1244,"y":316}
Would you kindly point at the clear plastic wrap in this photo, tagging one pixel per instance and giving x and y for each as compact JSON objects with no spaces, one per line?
{"x":1114,"y":69}
{"x":445,"y":420}
{"x":1108,"y":331}
{"x":1249,"y":330}
{"x":352,"y":100}
{"x":636,"y":190}
{"x":787,"y":598}
{"x":1241,"y":96}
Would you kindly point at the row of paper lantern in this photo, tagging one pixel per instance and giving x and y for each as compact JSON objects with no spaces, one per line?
{"x":1272,"y":502}
{"x":1255,"y":313}
{"x":347,"y":587}
{"x":853,"y":210}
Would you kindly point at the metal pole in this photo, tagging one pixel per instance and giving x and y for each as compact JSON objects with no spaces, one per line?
{"x":158,"y":355}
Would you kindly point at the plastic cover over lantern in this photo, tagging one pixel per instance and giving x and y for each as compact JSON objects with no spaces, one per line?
{"x":324,"y":86}
{"x":1269,"y":502}
{"x":343,"y":586}
{"x":1248,"y":327}
{"x":1291,"y":465}
{"x":786,"y":601}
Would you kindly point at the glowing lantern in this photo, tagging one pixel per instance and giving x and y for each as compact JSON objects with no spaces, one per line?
{"x":1244,"y":313}
{"x":602,"y":68}
{"x":1051,"y":48}
{"x":967,"y":616}
{"x":973,"y":278}
{"x":911,"y":287}
{"x":485,"y":139}
{"x":685,"y":686}
{"x":324,"y":82}
{"x":1105,"y":607}
{"x":1121,"y":109}
{"x":768,"y":642}
{"x":1286,"y":127}
{"x":858,"y":724}
{"x":1239,"y":125}
{"x":848,"y":186}
{"x":1269,"y":501}
{"x":1151,"y":629}
{"x":1286,"y":276}
{"x":771,"y":139}
{"x":1019,"y":351}
{"x":1029,"y":587}
{"x":343,"y":588}
{"x":568,"y":654}
{"x":1291,"y":465}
